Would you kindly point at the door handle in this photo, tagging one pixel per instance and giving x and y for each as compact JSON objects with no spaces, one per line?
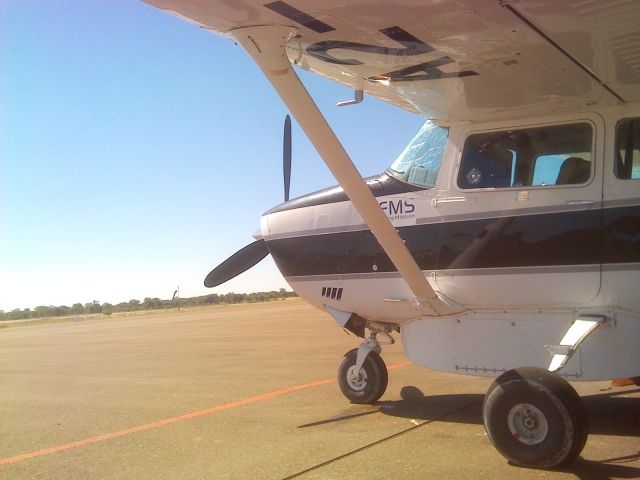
{"x":581,"y":202}
{"x":445,"y":200}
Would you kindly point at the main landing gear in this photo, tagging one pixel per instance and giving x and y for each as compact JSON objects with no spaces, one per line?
{"x":362,"y":375}
{"x":534,"y":418}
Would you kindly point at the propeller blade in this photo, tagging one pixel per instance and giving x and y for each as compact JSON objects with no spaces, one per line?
{"x":242,"y":260}
{"x":286,"y":156}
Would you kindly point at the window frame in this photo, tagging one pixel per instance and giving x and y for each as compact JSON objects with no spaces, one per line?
{"x":616,"y":150}
{"x":506,"y":127}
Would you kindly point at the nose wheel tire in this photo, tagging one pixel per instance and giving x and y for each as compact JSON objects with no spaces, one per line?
{"x":535,"y":419}
{"x":369,"y":384}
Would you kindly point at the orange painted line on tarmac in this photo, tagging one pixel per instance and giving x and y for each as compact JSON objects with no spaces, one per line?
{"x":399,"y":365}
{"x":172,"y":420}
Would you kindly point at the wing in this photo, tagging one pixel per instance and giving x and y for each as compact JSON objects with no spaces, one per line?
{"x":450,"y":60}
{"x":454,"y":60}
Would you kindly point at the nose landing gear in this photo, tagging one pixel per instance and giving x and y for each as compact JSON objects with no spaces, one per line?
{"x":363,"y":375}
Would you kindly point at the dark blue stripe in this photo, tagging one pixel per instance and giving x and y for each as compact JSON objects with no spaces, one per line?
{"x":588,"y":237}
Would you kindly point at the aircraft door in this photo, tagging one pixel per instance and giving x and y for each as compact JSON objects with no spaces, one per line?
{"x":621,"y":214}
{"x":522,"y":221}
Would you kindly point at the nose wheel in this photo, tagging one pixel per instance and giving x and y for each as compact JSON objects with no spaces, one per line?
{"x":534,"y":418}
{"x":365,"y":384}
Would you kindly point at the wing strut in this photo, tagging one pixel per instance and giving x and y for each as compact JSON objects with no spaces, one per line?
{"x":266,"y":45}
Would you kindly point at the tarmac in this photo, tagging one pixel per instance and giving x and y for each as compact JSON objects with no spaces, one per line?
{"x":250,"y":392}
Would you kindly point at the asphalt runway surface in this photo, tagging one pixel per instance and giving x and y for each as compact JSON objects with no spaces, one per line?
{"x":249,"y":391}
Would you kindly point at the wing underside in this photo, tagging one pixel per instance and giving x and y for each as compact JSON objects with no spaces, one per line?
{"x":450,"y":60}
{"x":454,"y":60}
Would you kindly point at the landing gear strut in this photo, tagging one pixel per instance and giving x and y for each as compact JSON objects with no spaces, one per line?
{"x":534,"y":418}
{"x":362,"y":375}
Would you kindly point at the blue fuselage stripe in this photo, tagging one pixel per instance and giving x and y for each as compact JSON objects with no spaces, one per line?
{"x":586,"y":237}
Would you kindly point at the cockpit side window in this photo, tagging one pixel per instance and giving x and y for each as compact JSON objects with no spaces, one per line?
{"x":627,"y":161}
{"x":541,"y":156}
{"x":419,"y":162}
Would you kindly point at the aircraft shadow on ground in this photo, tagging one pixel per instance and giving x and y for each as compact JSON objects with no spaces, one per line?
{"x":610,"y":413}
{"x":604,"y":469}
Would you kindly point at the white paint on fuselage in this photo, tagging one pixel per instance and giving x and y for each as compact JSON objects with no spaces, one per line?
{"x":511,"y":314}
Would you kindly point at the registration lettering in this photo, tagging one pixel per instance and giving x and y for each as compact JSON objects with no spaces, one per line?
{"x":411,"y":46}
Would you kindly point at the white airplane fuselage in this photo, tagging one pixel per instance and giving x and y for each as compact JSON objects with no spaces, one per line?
{"x":521,"y":262}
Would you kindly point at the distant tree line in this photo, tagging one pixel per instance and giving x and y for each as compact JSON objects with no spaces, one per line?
{"x":134,"y":305}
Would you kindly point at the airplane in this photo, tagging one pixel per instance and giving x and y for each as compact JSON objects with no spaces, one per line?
{"x":504,"y":240}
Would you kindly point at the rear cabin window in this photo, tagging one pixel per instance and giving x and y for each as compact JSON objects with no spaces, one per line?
{"x":541,"y":156}
{"x":627,"y":162}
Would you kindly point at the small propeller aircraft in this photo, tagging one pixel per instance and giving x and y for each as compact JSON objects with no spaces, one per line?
{"x":504,"y":240}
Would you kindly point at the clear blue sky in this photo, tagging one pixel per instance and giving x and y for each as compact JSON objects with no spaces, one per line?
{"x":137,"y":151}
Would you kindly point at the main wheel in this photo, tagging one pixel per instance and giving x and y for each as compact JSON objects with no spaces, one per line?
{"x":370,"y":383}
{"x":534,"y":418}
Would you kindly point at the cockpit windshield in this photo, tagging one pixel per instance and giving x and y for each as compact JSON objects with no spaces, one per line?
{"x":419,"y":162}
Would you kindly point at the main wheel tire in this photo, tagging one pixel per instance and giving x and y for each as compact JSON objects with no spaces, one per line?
{"x":371,"y":381}
{"x":535,"y":419}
